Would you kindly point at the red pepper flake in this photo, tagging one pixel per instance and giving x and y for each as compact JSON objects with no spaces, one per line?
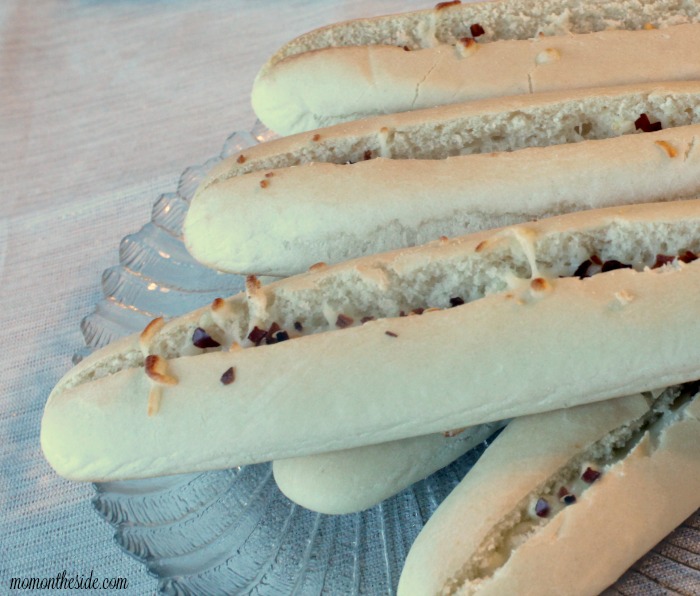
{"x":590,"y":475}
{"x":298,"y":326}
{"x":316,"y":137}
{"x":441,"y":5}
{"x":612,"y":264}
{"x":568,"y":499}
{"x":662,"y":260}
{"x":229,"y":376}
{"x":269,"y":175}
{"x":282,"y":336}
{"x":364,"y":320}
{"x":270,"y":339}
{"x":456,"y":301}
{"x":565,"y":496}
{"x":541,"y":508}
{"x":391,"y":334}
{"x":582,"y":270}
{"x":368,"y":154}
{"x":344,"y":321}
{"x":241,"y":158}
{"x":406,"y":48}
{"x":476,"y":30}
{"x":417,"y":311}
{"x":645,"y":125}
{"x":257,"y":335}
{"x":264,"y":183}
{"x":687,"y":257}
{"x":201,"y":339}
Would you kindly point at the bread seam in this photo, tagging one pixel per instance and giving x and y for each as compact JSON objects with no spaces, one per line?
{"x":360,"y":82}
{"x":475,"y":127}
{"x":566,"y":241}
{"x":511,"y":250}
{"x":548,"y":17}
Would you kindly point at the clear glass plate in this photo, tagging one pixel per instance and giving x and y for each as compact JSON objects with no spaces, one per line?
{"x":232,"y":531}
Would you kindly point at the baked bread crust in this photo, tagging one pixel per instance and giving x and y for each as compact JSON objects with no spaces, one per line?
{"x":329,"y":213}
{"x":634,"y":504}
{"x":325,"y":87}
{"x":324,"y":391}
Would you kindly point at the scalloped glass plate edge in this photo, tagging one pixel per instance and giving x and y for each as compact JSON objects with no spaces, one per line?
{"x":233,"y":531}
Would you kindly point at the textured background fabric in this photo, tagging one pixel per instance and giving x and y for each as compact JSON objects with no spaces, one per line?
{"x":103,"y":105}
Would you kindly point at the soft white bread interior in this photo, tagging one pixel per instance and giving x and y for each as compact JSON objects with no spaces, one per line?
{"x":499,"y":124}
{"x":629,"y":470}
{"x":330,"y":213}
{"x":352,"y":480}
{"x":524,"y":334}
{"x":325,"y":87}
{"x":505,"y":19}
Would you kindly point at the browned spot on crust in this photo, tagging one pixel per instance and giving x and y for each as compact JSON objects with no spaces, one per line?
{"x":668,"y":148}
{"x":547,"y":56}
{"x":481,"y":246}
{"x":151,"y":329}
{"x":318,"y":266}
{"x":316,"y":137}
{"x":241,"y":158}
{"x":264,"y":183}
{"x":454,"y":432}
{"x":441,"y":5}
{"x":540,"y":284}
{"x":218,"y":304}
{"x":157,"y":370}
{"x":252,"y":284}
{"x":154,"y":397}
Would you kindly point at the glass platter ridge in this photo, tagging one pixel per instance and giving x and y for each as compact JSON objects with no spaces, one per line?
{"x":232,"y":531}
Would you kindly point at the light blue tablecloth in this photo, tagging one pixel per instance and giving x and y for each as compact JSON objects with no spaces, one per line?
{"x":104,"y":104}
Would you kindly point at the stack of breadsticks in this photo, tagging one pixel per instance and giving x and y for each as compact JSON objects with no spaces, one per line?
{"x":498,"y":226}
